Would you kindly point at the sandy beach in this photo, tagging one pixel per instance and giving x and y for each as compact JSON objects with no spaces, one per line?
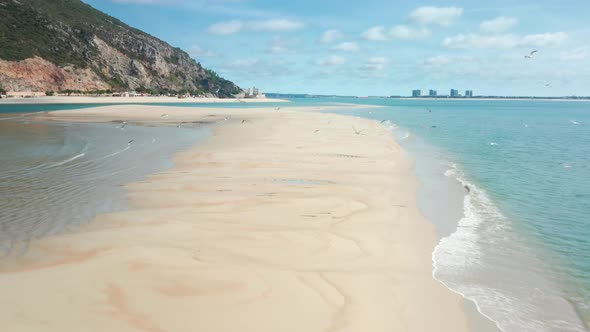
{"x":280,"y":221}
{"x":129,"y":100}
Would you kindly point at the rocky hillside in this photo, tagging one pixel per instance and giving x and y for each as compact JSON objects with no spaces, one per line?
{"x":53,"y":45}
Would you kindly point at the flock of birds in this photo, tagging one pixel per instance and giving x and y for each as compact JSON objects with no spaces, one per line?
{"x":124,"y":125}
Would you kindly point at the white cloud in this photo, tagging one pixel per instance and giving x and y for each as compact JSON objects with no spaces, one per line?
{"x":443,"y":60}
{"x":198,"y":52}
{"x":271,"y":25}
{"x":375,"y":64}
{"x":275,"y":25}
{"x":379,"y":33}
{"x":498,"y":25}
{"x":579,"y":53}
{"x":241,"y":64}
{"x":280,"y":45}
{"x":504,"y":41}
{"x":333,"y":60}
{"x":443,"y":16}
{"x":376,"y":33}
{"x":225,"y":28}
{"x":408,"y":33}
{"x":346,"y":47}
{"x":330,"y":36}
{"x":544,"y":39}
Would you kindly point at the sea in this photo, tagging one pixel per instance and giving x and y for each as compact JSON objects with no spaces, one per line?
{"x":55,"y":176}
{"x":505,"y":182}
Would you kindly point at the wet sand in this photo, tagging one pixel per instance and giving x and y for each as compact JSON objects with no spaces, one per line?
{"x":280,"y":221}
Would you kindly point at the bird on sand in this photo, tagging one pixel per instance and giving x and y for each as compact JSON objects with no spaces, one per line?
{"x":531,"y":55}
{"x":163,"y":115}
{"x":358,"y":132}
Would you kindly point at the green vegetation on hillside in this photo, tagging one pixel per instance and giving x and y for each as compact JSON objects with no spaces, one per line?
{"x":63,"y":31}
{"x":24,"y":33}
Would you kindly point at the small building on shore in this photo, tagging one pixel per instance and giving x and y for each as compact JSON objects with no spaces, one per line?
{"x":251,"y":93}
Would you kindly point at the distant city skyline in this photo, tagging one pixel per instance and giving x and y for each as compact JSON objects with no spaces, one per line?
{"x":377,"y":47}
{"x":434,"y":93}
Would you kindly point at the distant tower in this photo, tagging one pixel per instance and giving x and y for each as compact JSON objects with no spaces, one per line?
{"x":468,"y":93}
{"x":416,"y":93}
{"x":432,"y":93}
{"x":454,"y":93}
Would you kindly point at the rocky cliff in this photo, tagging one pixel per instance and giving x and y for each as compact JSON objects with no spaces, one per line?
{"x":68,"y":45}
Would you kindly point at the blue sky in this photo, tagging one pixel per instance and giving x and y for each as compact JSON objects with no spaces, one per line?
{"x":377,"y":47}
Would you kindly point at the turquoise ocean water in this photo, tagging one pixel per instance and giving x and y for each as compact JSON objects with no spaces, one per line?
{"x":517,"y":244}
{"x":521,"y":248}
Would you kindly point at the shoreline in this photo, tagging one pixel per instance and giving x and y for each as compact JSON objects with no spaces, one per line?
{"x":362,"y":264}
{"x":451,"y":256}
{"x":495,"y":99}
{"x":130,"y":100}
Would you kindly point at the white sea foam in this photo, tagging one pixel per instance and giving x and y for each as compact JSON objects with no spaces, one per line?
{"x":12,"y":118}
{"x":63,"y":162}
{"x":470,"y":263}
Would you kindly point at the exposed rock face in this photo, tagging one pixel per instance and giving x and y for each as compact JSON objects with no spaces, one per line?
{"x":66,"y":44}
{"x":41,"y":75}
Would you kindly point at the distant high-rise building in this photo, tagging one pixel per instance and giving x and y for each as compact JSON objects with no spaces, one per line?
{"x":454,"y":93}
{"x":432,"y":93}
{"x":468,"y":93}
{"x":416,"y":93}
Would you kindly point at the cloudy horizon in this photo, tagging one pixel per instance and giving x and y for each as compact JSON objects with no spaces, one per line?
{"x":376,"y":47}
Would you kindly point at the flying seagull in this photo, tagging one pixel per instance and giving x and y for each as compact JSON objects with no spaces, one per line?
{"x":382,"y":121}
{"x":531,"y":55}
{"x":358,"y":132}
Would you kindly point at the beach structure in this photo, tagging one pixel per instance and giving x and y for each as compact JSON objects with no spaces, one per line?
{"x":416,"y":93}
{"x":468,"y":93}
{"x":454,"y":93}
{"x":432,"y":93}
{"x":253,"y":92}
